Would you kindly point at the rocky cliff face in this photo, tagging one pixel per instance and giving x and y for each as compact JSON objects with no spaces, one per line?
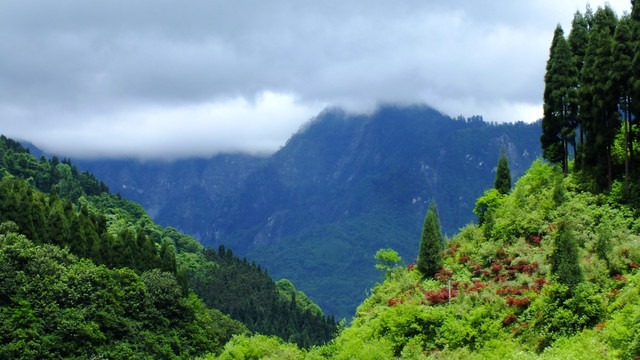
{"x":344,"y":186}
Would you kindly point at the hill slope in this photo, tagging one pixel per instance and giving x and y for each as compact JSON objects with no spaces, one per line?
{"x":344,"y":186}
{"x":86,"y":272}
{"x":501,"y":294}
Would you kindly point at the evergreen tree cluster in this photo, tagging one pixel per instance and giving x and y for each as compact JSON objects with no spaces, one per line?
{"x":54,"y":220}
{"x":592,"y":96}
{"x":54,"y":305}
{"x":99,"y":278}
{"x":252,"y":297}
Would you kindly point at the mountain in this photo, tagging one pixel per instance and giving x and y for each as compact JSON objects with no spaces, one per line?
{"x":345,"y":185}
{"x":86,"y":273}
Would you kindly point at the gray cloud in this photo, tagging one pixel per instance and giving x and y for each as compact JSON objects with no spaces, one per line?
{"x":166,"y":79}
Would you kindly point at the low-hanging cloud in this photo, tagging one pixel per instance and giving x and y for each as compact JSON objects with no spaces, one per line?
{"x":165,"y":79}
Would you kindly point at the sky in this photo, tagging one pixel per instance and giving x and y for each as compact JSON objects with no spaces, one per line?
{"x":168,"y":79}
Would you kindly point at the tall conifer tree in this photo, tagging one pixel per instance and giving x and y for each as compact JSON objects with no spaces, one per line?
{"x":578,"y":40}
{"x":503,"y":174}
{"x":599,"y":98}
{"x":622,"y":84}
{"x":430,"y":257}
{"x":559,"y":121}
{"x":565,"y":260}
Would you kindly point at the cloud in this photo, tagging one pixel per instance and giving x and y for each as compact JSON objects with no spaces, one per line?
{"x":166,"y":79}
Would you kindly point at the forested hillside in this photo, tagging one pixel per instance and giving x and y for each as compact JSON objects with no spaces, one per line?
{"x":553,"y":275}
{"x":550,"y":270}
{"x":342,"y":187}
{"x":86,"y":273}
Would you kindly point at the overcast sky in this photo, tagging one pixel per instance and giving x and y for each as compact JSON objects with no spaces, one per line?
{"x":159,"y":78}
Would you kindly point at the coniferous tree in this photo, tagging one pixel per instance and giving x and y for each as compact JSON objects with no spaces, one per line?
{"x":622,"y":84}
{"x":503,"y":174}
{"x":635,"y":65}
{"x":559,"y":121}
{"x":430,"y":257}
{"x":578,"y":40}
{"x":565,"y":260}
{"x":598,"y":100}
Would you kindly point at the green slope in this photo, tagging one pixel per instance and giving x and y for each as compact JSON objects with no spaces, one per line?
{"x":498,"y":296}
{"x":95,"y":275}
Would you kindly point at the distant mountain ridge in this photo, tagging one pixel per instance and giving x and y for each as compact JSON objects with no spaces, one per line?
{"x":342,"y":187}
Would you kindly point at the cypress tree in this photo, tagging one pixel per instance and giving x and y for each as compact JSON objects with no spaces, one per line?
{"x":578,"y":40}
{"x":598,"y":98}
{"x":565,"y":262}
{"x":622,"y":84}
{"x":503,"y":174}
{"x":430,"y":257}
{"x":560,"y":108}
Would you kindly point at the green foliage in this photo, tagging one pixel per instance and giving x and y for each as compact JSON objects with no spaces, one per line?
{"x":54,"y":305}
{"x":429,"y":258}
{"x":118,"y":234}
{"x":257,"y":348}
{"x":252,"y":297}
{"x":386,"y":260}
{"x":565,"y":260}
{"x":502,"y":182}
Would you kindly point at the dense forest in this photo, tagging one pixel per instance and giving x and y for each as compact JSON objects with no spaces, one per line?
{"x":592,"y":100}
{"x":550,"y":270}
{"x":341,"y":188}
{"x":86,"y":273}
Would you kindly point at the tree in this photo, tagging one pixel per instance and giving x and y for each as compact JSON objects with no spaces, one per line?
{"x":598,"y":100}
{"x":621,"y":82}
{"x":503,"y":174}
{"x":565,"y":261}
{"x":429,"y":257}
{"x":578,"y":40}
{"x":559,"y":121}
{"x":386,"y":260}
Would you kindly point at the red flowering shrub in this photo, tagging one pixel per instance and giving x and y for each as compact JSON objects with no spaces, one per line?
{"x":633,"y":265}
{"x":619,"y":277}
{"x":521,"y":303}
{"x":411,"y":267}
{"x":394,"y":302}
{"x":440,"y":296}
{"x":477,"y":285}
{"x":509,"y":290}
{"x":535,"y":239}
{"x":463,"y":259}
{"x":509,"y":319}
{"x":443,"y":274}
{"x":496,"y":266}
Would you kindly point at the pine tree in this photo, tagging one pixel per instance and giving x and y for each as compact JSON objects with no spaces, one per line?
{"x":560,"y":108}
{"x":430,"y":257}
{"x":598,"y":99}
{"x":503,"y":174}
{"x":565,"y":261}
{"x":622,"y":84}
{"x":578,"y":40}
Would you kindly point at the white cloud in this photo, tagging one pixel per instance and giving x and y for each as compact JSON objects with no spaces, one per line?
{"x":166,"y":79}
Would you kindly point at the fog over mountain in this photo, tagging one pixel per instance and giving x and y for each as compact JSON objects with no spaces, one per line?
{"x":167,"y":80}
{"x":344,"y":186}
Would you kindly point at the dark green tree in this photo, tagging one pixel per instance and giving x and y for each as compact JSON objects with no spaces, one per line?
{"x":430,"y":257}
{"x":578,"y":40}
{"x":621,"y":82}
{"x":598,"y":100}
{"x":503,"y":174}
{"x":560,"y":107}
{"x":565,"y":260}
